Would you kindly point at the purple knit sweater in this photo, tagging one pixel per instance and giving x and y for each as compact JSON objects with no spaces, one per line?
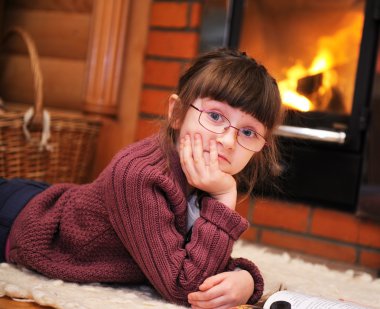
{"x":129,"y":226}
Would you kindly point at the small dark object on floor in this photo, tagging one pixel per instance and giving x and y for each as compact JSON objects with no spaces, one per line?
{"x":280,"y":304}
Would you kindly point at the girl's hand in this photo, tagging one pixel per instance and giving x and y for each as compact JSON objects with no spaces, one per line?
{"x":223,"y":291}
{"x":202,"y":170}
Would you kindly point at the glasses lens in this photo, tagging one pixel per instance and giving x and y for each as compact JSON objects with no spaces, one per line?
{"x":250,"y":140}
{"x":214,"y":121}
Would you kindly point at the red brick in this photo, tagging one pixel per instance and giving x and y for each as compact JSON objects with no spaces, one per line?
{"x":162,"y":73}
{"x":280,"y":214}
{"x":370,"y":259}
{"x":310,"y":246}
{"x":169,"y":14}
{"x":195,"y":19}
{"x":186,"y":65}
{"x":173,"y":44}
{"x":250,"y":234}
{"x":243,"y":205}
{"x":335,"y":225}
{"x":369,"y":234}
{"x":155,"y":101}
{"x":146,"y":127}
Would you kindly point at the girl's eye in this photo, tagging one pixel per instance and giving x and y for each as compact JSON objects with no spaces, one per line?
{"x":216,"y":117}
{"x":248,"y":133}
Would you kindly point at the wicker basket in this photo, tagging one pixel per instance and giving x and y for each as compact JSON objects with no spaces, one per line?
{"x":54,"y":146}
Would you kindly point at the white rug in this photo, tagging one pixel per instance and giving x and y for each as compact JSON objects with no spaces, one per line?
{"x":279,"y":270}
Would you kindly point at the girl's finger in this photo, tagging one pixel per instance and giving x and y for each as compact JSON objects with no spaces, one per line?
{"x":211,"y":282}
{"x":214,"y":163}
{"x":197,"y":307}
{"x":214,"y":292}
{"x":199,"y":161}
{"x":182,"y":156}
{"x":217,"y":302}
{"x":188,"y":161}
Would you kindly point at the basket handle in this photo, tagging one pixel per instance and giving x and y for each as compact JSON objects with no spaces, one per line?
{"x":36,"y":120}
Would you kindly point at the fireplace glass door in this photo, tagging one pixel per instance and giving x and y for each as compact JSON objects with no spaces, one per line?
{"x":322,"y":54}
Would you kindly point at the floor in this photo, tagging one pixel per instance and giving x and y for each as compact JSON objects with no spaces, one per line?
{"x":8,"y":303}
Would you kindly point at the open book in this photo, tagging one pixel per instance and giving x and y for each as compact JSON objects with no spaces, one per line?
{"x":302,"y":301}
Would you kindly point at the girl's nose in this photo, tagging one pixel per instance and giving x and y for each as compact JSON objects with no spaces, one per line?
{"x":228,"y":138}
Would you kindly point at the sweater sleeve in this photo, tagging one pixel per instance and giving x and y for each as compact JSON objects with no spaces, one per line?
{"x":255,"y":273}
{"x":213,"y":213}
{"x":146,"y":209}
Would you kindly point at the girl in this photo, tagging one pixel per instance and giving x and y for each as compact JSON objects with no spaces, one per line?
{"x":163,"y":211}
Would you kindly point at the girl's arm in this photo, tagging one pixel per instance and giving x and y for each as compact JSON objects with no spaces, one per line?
{"x":148,"y":212}
{"x":203,"y":172}
{"x":240,"y":263}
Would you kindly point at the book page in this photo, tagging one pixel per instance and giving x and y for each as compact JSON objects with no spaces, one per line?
{"x":302,"y":301}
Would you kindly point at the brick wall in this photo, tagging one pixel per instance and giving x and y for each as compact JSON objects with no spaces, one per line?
{"x":172,"y":42}
{"x":317,"y":231}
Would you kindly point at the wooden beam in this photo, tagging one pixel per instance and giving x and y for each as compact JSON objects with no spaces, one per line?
{"x":63,"y":81}
{"x":84,"y":6}
{"x":55,"y":33}
{"x":119,"y":132}
{"x":106,"y":49}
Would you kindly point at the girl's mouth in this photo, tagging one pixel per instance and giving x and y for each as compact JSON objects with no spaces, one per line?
{"x":221,"y":157}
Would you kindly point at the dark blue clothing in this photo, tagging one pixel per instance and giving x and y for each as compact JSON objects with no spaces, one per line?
{"x":14,"y":195}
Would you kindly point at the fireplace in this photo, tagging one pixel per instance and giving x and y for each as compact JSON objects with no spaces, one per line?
{"x":323,"y":55}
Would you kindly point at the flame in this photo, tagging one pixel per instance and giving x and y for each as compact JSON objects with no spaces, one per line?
{"x":296,"y":101}
{"x":290,"y":97}
{"x":323,"y":61}
{"x":332,"y":51}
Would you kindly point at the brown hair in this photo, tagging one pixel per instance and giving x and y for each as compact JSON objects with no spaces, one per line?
{"x":233,"y":77}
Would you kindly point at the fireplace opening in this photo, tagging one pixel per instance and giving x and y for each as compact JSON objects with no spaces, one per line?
{"x":323,"y":55}
{"x":311,"y":47}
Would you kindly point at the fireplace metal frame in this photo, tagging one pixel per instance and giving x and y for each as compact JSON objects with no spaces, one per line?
{"x":324,"y":166}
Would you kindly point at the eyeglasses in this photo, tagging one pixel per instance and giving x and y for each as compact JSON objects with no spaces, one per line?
{"x":217,"y":123}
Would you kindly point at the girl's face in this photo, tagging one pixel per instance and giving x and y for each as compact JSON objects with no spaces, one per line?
{"x":232,"y":156}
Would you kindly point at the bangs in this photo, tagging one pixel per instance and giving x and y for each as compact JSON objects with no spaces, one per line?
{"x":242,"y":84}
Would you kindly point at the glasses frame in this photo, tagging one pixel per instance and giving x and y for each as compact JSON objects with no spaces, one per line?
{"x":226,"y":128}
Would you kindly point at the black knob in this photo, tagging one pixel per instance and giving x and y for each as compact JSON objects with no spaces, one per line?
{"x":280,"y":304}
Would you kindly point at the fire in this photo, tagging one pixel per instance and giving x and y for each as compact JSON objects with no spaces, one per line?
{"x":308,"y":88}
{"x":288,"y":89}
{"x":291,"y":97}
{"x":296,"y":101}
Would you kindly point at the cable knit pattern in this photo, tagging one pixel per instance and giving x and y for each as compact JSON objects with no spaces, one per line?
{"x":129,"y":225}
